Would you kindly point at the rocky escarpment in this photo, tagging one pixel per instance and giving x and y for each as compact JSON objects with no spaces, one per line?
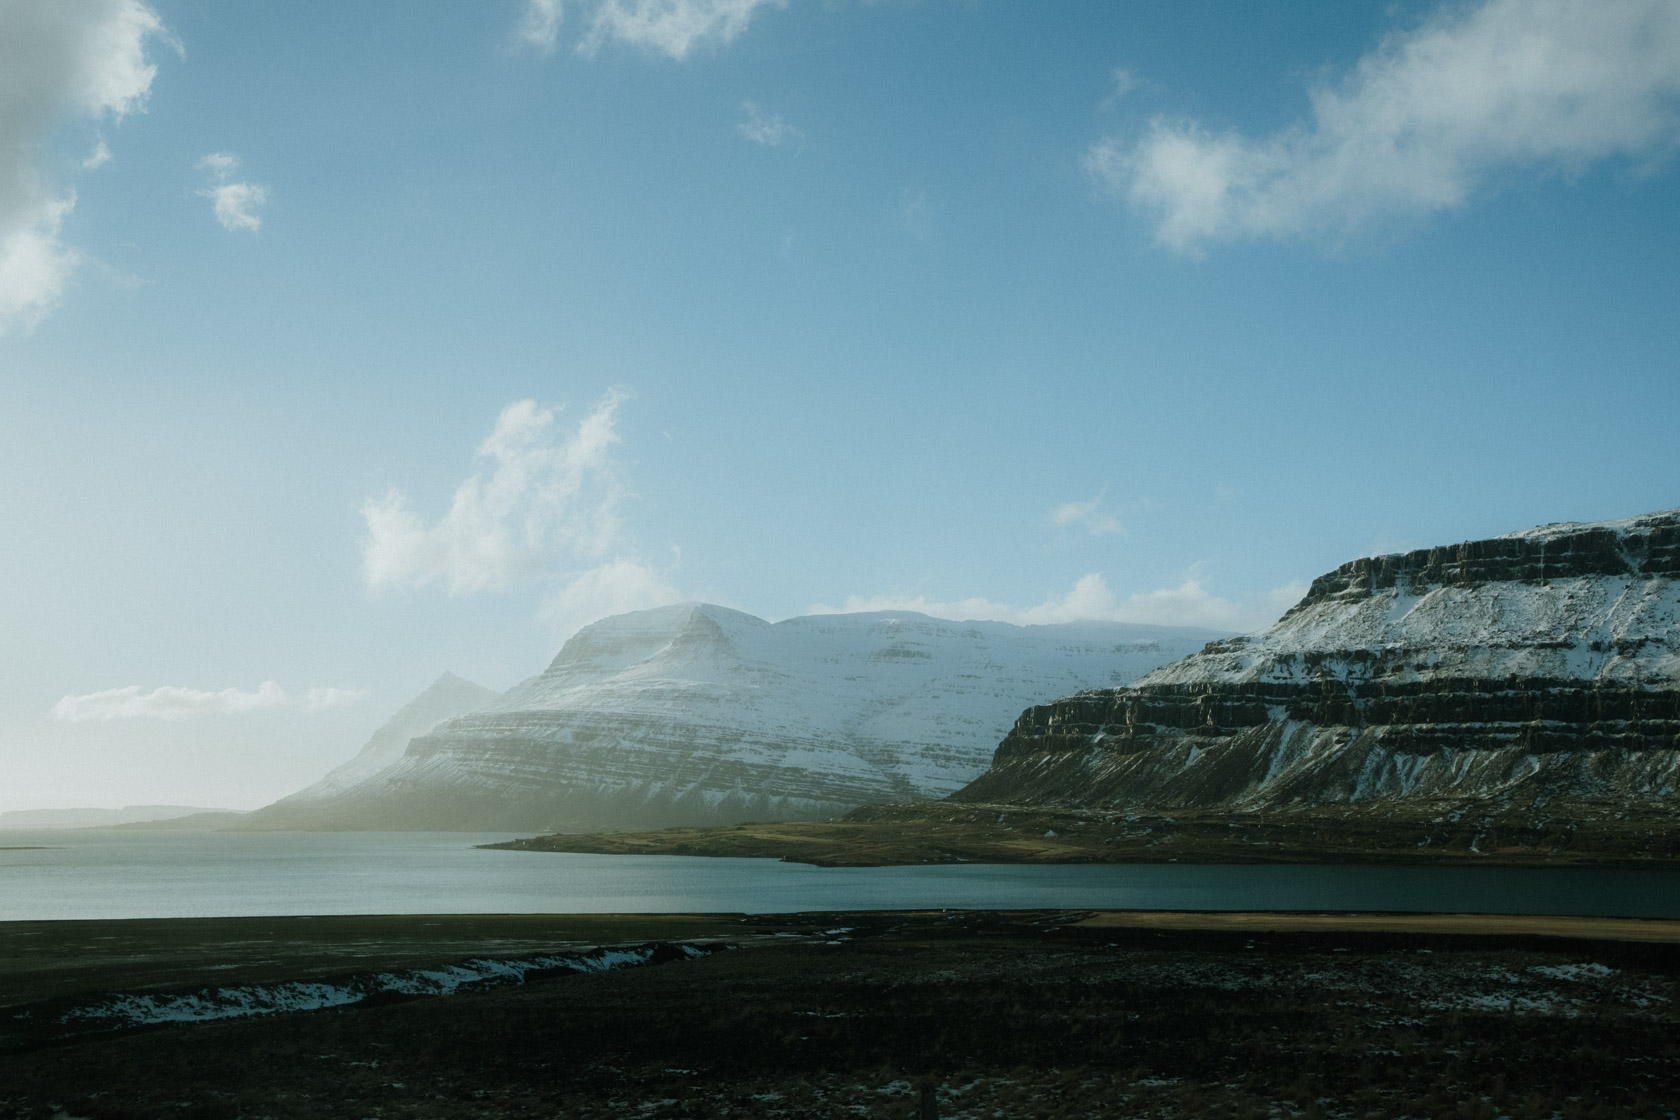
{"x":1536,"y":669}
{"x":697,"y":714}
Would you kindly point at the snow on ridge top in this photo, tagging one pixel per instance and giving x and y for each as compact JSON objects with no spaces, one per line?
{"x":659,"y":661}
{"x":1659,"y":519}
{"x":1577,"y":601}
{"x":1085,"y":629}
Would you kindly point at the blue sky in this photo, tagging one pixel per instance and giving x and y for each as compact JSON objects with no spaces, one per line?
{"x":343,"y":344}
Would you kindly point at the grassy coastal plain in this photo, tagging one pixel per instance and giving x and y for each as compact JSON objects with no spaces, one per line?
{"x":964,"y":1013}
{"x":1578,"y":833}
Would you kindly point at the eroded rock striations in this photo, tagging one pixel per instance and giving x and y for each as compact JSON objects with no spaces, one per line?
{"x":1534,"y":669}
{"x":697,"y":714}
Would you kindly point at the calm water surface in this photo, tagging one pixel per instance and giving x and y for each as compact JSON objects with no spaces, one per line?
{"x":193,"y":874}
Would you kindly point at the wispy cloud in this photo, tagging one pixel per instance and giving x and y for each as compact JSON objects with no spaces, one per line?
{"x":539,"y":25}
{"x":60,"y":61}
{"x":325,"y":699}
{"x":672,"y":28}
{"x":1093,"y":514}
{"x":236,"y":204}
{"x":542,"y":510}
{"x":763,"y":127}
{"x":1121,"y":82}
{"x":537,"y":503}
{"x":915,"y":212}
{"x":1420,"y":123}
{"x":1188,"y":604}
{"x":171,"y":702}
{"x":616,"y":587}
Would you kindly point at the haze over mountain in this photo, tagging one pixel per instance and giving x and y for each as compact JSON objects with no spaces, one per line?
{"x":446,"y":697}
{"x":98,"y":818}
{"x":700,"y":714}
{"x":1537,"y":671}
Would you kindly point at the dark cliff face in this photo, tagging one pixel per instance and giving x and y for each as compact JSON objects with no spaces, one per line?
{"x":1650,"y":547}
{"x":1515,"y":669}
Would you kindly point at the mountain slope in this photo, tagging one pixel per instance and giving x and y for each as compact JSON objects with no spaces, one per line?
{"x":1526,"y":671}
{"x":700,"y":714}
{"x":445,"y":698}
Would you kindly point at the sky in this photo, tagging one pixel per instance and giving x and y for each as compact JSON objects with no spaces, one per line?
{"x":344,"y":344}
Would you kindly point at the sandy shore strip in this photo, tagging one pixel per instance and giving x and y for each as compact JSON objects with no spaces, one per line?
{"x":1654,"y":930}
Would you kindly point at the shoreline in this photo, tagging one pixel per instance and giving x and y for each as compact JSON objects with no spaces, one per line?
{"x":44,"y":959}
{"x":947,"y":833}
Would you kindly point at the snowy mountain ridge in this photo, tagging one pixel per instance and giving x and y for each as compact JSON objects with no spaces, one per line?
{"x":696,"y":713}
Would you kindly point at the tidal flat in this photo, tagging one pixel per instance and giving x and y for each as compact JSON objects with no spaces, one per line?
{"x":879,"y":1013}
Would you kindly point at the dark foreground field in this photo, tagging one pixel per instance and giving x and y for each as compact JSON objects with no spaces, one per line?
{"x":879,"y":1014}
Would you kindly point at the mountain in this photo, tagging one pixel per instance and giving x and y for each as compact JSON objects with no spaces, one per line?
{"x":1533,"y":673}
{"x":97,"y":818}
{"x":214,"y":820}
{"x":447,"y":697}
{"x":700,"y":714}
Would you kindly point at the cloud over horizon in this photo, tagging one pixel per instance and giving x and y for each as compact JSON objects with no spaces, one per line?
{"x":1420,"y":124}
{"x":1090,"y":599}
{"x":541,"y":511}
{"x":71,"y":60}
{"x":173,"y":702}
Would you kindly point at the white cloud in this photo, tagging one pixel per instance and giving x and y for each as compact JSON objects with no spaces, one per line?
{"x":536,"y":507}
{"x":542,"y":511}
{"x":1421,"y":122}
{"x":60,"y":61}
{"x":1188,"y":604}
{"x":235,"y":204}
{"x":99,"y":156}
{"x":219,"y":164}
{"x":172,"y":702}
{"x":1123,"y":81}
{"x":669,"y":27}
{"x":612,"y":588}
{"x":769,"y":129}
{"x":34,"y":264}
{"x":539,"y":26}
{"x":1093,"y":514}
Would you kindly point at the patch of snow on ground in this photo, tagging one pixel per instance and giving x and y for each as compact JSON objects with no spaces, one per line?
{"x":270,"y":999}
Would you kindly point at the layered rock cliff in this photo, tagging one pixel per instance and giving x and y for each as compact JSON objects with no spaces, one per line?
{"x":698,"y":714}
{"x":1527,"y":670}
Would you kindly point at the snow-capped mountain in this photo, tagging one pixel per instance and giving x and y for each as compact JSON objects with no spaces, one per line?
{"x":697,"y":714}
{"x":1510,"y":671}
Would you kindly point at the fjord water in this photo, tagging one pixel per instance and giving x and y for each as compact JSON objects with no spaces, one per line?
{"x":117,"y":874}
